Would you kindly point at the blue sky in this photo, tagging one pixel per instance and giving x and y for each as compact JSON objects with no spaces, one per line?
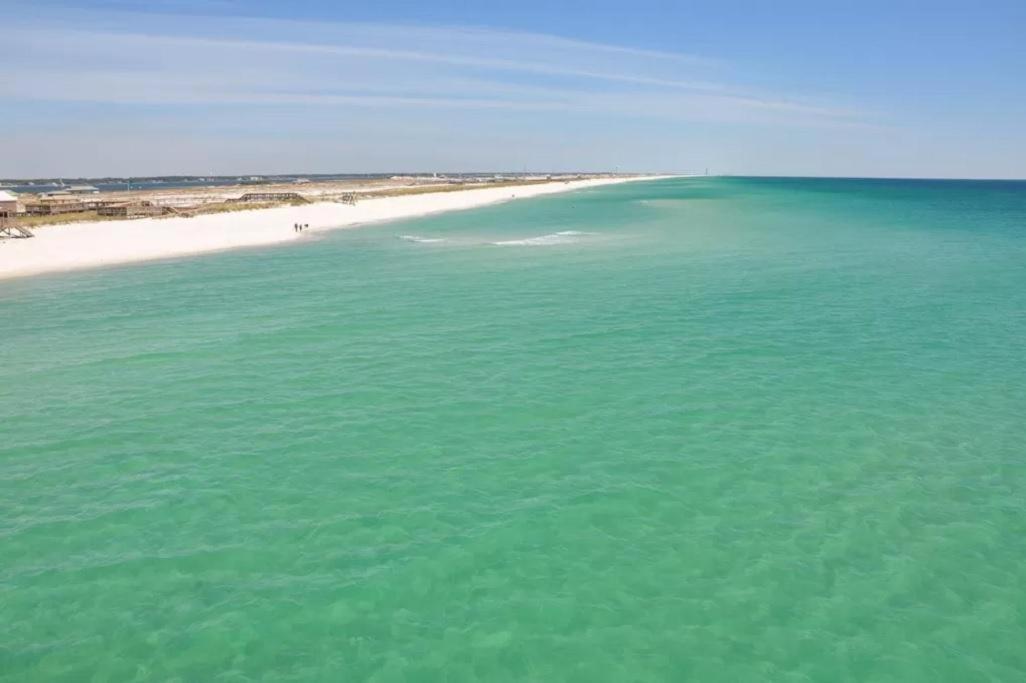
{"x":123,"y":87}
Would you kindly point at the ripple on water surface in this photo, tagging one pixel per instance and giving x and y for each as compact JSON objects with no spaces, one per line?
{"x":771,"y":436}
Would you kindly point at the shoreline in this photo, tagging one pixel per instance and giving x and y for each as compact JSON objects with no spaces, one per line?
{"x":79,"y":246}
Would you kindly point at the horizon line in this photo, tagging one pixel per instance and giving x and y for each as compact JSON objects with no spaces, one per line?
{"x":680,"y":173}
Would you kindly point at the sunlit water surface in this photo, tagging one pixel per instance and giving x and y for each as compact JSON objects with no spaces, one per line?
{"x":694,"y":429}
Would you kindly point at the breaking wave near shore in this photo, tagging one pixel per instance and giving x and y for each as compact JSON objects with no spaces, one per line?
{"x":555,"y":238}
{"x":551,"y":239}
{"x":421,"y":240}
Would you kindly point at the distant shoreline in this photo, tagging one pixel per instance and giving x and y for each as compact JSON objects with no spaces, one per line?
{"x":97,"y":244}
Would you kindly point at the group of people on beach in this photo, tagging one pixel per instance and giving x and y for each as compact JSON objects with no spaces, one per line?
{"x":300,"y":227}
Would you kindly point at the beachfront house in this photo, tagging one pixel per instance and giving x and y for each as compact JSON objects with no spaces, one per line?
{"x":129,"y":209}
{"x":82,"y":189}
{"x":54,"y":205}
{"x":9,"y":226}
{"x":8,"y":205}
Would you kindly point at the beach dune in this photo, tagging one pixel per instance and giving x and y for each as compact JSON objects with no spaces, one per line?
{"x":96,"y":244}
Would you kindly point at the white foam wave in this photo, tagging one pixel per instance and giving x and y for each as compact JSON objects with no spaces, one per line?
{"x":421,"y":240}
{"x":562,"y":237}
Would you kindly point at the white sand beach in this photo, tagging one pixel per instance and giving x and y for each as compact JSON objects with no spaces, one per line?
{"x":104,"y":243}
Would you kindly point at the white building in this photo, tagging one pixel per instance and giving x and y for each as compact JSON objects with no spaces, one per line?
{"x":8,"y":204}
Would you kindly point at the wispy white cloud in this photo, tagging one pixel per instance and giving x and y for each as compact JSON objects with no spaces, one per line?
{"x":180,"y":94}
{"x":256,"y":62}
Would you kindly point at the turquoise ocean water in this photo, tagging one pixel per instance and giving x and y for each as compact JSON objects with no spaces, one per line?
{"x":696,"y":429}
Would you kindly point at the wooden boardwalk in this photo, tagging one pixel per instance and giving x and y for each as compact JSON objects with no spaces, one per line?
{"x":10,"y":228}
{"x":271,"y":197}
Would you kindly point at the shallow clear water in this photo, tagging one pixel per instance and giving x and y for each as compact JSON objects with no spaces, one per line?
{"x":703,"y":429}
